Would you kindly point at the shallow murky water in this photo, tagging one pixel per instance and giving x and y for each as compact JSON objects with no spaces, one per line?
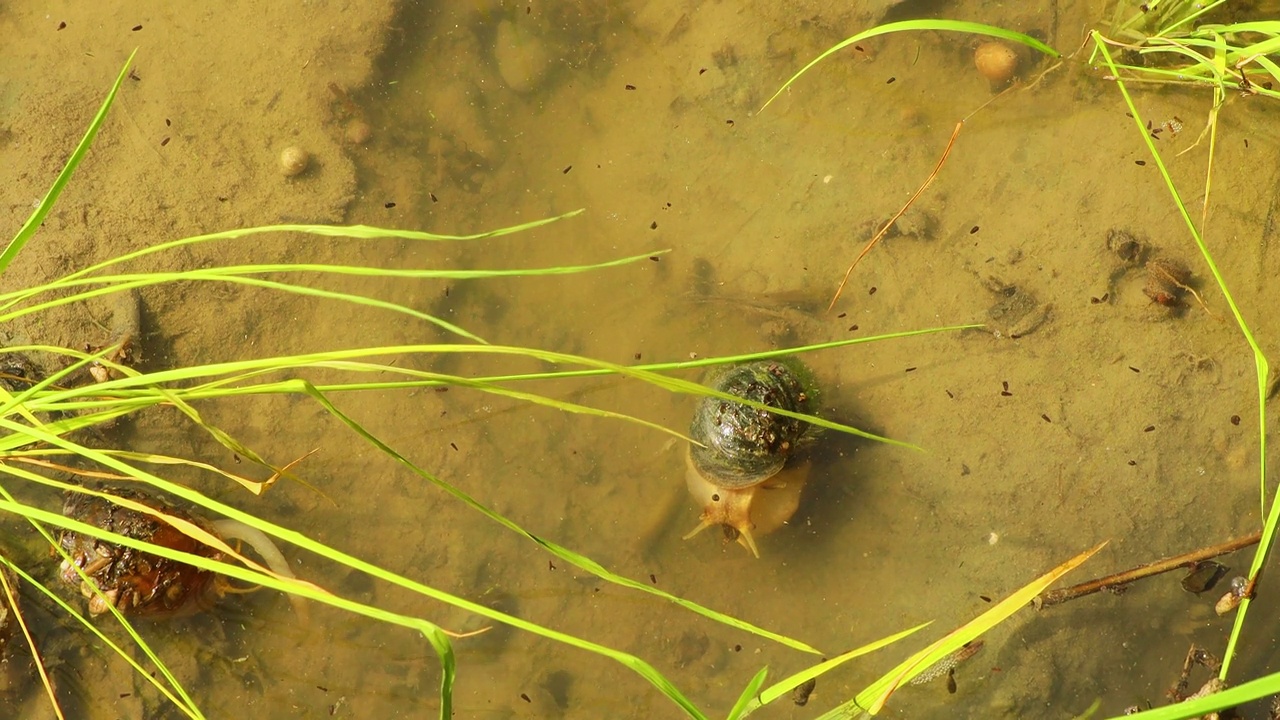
{"x":1107,"y":417}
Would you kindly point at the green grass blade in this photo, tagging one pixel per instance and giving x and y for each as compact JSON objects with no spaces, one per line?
{"x":874,"y":696}
{"x":792,"y":682}
{"x":185,"y":703}
{"x":200,"y":275}
{"x":190,"y":711}
{"x":1261,"y":365}
{"x":918,"y":25}
{"x":573,"y":558}
{"x":32,"y":224}
{"x":359,"y":232}
{"x":307,"y":590}
{"x":748,"y":695}
{"x":1263,"y":687}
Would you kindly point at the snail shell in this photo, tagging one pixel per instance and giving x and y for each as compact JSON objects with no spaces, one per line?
{"x":743,"y":472}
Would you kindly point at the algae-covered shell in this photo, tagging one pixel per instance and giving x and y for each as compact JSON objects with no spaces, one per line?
{"x":743,"y":445}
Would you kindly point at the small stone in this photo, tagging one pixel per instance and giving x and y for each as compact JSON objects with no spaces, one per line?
{"x":521,"y":57}
{"x":294,"y":161}
{"x":359,"y":132}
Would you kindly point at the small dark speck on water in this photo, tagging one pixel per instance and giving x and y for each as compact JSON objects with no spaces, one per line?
{"x":388,"y":205}
{"x":1133,"y":462}
{"x":62,"y":25}
{"x":890,"y":81}
{"x":653,"y":225}
{"x":631,"y":87}
{"x":453,"y":445}
{"x":1235,"y":419}
{"x":973,"y":229}
{"x":1140,"y":162}
{"x":566,"y":169}
{"x":872,"y":291}
{"x":653,"y":578}
{"x":433,"y":197}
{"x":1149,"y":428}
{"x":1134,"y":369}
{"x":525,"y":698}
{"x":136,"y":28}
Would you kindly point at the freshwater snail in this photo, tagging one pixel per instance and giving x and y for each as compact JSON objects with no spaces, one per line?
{"x":138,"y":583}
{"x":744,"y":470}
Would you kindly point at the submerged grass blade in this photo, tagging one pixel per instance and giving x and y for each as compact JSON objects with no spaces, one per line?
{"x":1262,"y":367}
{"x":739,"y":709}
{"x":359,"y":232}
{"x":872,"y":699}
{"x":304,"y":589}
{"x":917,"y":25}
{"x":792,"y":682}
{"x":563,"y":553}
{"x":190,"y":711}
{"x":1263,"y":687}
{"x":183,"y":699}
{"x":29,"y":228}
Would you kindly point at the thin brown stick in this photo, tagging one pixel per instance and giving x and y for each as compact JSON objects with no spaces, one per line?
{"x":866,"y":249}
{"x":1056,"y":597}
{"x":919,"y":191}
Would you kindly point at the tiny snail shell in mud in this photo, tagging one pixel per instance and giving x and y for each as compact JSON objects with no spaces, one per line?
{"x":744,"y":471}
{"x":294,"y":161}
{"x":1231,"y":600}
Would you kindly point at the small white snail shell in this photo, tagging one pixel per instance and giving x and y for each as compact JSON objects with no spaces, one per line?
{"x":294,"y":161}
{"x":1227,"y":603}
{"x":750,"y":511}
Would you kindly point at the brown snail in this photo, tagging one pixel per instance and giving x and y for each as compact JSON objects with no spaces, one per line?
{"x":138,"y":583}
{"x":744,"y":470}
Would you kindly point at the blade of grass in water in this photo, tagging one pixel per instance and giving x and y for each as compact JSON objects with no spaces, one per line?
{"x":872,"y":698}
{"x":33,"y":223}
{"x":1261,"y":365}
{"x":917,"y":25}
{"x":304,"y":590}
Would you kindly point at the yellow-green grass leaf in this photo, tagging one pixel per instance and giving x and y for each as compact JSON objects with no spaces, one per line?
{"x":919,"y":25}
